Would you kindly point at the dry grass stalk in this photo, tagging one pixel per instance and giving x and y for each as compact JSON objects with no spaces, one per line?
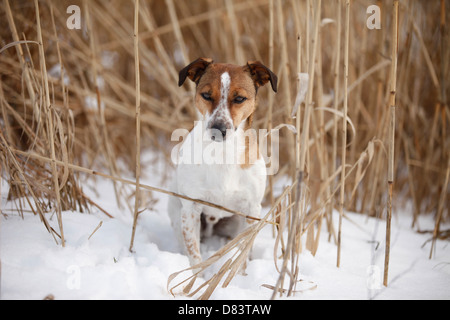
{"x":443,"y":103}
{"x":391,"y":137}
{"x":270,"y":102}
{"x":138,"y":121}
{"x":95,"y":230}
{"x":440,"y":209}
{"x":344,"y":131}
{"x":50,"y":129}
{"x":336,"y":75}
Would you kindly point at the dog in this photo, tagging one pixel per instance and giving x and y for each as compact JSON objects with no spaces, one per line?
{"x":225,"y":99}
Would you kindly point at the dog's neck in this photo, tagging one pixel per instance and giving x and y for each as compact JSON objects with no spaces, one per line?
{"x":242,"y":143}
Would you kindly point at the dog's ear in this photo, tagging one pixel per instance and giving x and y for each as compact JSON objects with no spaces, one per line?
{"x":261,"y":74}
{"x":194,"y":70}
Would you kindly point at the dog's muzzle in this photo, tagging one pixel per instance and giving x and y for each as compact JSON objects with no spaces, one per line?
{"x":218,"y":131}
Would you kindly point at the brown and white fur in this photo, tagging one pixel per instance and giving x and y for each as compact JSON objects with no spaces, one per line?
{"x":226,"y":100}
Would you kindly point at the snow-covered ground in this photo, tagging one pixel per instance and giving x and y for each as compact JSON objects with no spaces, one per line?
{"x":101,"y":267}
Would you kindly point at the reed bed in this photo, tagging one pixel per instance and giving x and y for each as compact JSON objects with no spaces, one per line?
{"x":69,"y":98}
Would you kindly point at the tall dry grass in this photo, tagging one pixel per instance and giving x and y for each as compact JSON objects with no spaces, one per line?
{"x":68,"y":99}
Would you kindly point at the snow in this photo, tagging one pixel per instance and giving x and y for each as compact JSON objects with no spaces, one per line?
{"x":99,"y":265}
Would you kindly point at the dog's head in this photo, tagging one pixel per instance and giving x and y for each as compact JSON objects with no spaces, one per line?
{"x":226,"y":93}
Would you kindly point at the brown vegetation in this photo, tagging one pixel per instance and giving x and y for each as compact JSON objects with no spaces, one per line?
{"x":70,"y":100}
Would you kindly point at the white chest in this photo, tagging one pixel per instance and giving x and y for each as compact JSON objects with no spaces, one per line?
{"x":211,"y":171}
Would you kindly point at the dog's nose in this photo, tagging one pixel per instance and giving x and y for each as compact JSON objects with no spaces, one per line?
{"x":218,"y":128}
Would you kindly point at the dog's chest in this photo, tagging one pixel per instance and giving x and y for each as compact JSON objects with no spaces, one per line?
{"x":227,"y":185}
{"x":223,"y":184}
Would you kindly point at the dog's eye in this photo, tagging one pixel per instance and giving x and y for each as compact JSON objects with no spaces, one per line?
{"x":206,"y":96}
{"x":239,"y":99}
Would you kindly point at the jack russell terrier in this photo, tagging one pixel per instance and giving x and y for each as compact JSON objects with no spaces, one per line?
{"x":226,"y":100}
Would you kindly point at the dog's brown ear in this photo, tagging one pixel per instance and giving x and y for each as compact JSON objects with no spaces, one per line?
{"x":194,"y":70}
{"x":261,"y":74}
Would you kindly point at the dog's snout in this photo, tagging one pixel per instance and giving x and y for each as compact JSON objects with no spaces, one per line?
{"x":219,"y":131}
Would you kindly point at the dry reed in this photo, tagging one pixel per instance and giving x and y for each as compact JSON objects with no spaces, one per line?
{"x":344,"y":131}
{"x":138,"y":121}
{"x":67,"y":103}
{"x":391,"y":137}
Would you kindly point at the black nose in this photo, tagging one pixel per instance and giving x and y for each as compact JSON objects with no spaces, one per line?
{"x":219,"y":131}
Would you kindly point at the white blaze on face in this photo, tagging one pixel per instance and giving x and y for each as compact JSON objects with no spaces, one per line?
{"x":224,"y":89}
{"x":221,"y":113}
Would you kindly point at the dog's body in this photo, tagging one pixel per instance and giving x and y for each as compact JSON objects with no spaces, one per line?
{"x":233,"y":173}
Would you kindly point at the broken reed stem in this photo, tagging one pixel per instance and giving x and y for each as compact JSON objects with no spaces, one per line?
{"x":50,"y":129}
{"x":298,"y":115}
{"x":138,"y":121}
{"x":95,"y":230}
{"x":391,"y":138}
{"x":344,"y":131}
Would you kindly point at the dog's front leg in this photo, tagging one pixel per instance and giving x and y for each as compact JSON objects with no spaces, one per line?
{"x":254,"y":211}
{"x":190,"y":228}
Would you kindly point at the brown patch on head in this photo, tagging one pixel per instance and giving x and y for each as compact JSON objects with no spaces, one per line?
{"x":194,"y":70}
{"x":240,"y":91}
{"x":240,"y":88}
{"x":261,"y":74}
